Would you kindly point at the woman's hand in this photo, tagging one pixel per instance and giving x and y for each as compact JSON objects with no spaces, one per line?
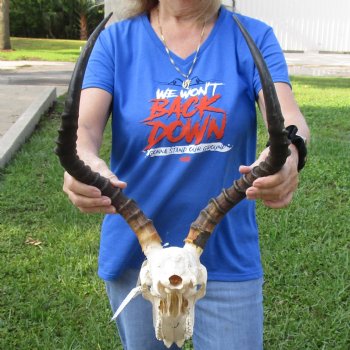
{"x":88,"y":199}
{"x":276,"y":191}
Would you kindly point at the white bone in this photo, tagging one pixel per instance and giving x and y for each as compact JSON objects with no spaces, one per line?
{"x":172,"y":279}
{"x":132,"y":294}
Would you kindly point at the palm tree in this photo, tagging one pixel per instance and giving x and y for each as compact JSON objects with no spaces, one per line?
{"x":5,"y":43}
{"x":83,"y":9}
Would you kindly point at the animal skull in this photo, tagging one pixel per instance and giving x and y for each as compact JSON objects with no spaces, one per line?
{"x":173,"y":279}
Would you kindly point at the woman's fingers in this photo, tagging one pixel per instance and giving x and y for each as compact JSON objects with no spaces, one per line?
{"x":88,"y":199}
{"x":276,"y":191}
{"x":70,"y":184}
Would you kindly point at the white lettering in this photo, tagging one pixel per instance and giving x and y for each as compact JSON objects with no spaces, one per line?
{"x":168,"y":93}
{"x":190,"y":149}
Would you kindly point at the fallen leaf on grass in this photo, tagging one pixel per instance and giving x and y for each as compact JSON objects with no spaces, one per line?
{"x":32,"y":241}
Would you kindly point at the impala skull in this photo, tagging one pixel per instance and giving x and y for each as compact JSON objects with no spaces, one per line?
{"x":172,"y":279}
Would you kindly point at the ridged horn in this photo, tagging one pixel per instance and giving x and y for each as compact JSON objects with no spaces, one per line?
{"x":217,"y":208}
{"x":67,"y":152}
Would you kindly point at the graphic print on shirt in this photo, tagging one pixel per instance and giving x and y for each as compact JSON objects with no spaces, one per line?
{"x":186,"y":121}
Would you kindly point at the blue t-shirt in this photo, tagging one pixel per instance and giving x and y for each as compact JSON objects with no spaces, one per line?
{"x":176,"y":147}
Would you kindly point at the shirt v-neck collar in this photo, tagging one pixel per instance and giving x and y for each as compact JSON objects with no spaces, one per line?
{"x":183,"y":61}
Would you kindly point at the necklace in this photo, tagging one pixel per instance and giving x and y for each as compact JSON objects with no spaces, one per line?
{"x":187,"y":82}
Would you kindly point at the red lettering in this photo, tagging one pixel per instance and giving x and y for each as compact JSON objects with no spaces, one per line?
{"x":175,"y":108}
{"x":171,"y":131}
{"x":158,"y":109}
{"x":187,"y":105}
{"x":183,"y":127}
{"x":196,"y":131}
{"x":205,"y":105}
{"x":153,"y":139}
{"x":161,"y":130}
{"x":213,"y":128}
{"x":161,"y":107}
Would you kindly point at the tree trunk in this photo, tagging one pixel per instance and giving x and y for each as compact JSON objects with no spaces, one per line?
{"x":4,"y":25}
{"x":83,"y":27}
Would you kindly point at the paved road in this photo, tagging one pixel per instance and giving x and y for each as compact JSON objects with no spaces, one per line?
{"x":36,"y":73}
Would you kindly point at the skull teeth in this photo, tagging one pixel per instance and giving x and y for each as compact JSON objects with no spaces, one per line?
{"x":172,"y":277}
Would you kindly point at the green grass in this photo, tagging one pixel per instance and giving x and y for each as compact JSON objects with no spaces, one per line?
{"x":305,"y":249}
{"x":51,"y":298}
{"x":42,"y":50}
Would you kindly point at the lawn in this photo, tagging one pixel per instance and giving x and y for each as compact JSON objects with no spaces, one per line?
{"x":43,"y":50}
{"x":51,"y":298}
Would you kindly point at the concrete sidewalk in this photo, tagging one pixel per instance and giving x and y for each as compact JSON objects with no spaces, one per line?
{"x":319,"y":64}
{"x":21,"y":108}
{"x":29,"y":88}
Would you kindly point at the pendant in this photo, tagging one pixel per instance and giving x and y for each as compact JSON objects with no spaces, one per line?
{"x":186,"y":83}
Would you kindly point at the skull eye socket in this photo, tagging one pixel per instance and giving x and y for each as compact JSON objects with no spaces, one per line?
{"x":175,"y":280}
{"x":198,"y":287}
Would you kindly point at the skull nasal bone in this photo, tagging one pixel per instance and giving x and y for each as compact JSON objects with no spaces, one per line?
{"x":175,"y":280}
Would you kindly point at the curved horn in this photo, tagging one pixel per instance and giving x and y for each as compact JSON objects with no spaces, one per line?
{"x":209,"y":217}
{"x":67,"y":152}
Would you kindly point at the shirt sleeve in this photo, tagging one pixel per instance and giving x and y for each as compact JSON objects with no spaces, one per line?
{"x":275,"y":60}
{"x":101,"y":66}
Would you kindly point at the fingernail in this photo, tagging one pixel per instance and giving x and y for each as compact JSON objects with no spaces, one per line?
{"x":106,"y":201}
{"x":112,"y":210}
{"x":250,"y":194}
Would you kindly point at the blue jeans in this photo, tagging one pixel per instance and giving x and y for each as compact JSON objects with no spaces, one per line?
{"x":229,"y":317}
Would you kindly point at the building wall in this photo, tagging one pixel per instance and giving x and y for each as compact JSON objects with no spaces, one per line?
{"x":118,"y":7}
{"x":309,"y":25}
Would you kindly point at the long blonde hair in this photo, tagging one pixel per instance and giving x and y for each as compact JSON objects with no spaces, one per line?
{"x":145,"y":6}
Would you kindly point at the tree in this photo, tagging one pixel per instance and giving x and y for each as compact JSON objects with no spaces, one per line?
{"x":5,"y":43}
{"x":58,"y":19}
{"x":84,"y":9}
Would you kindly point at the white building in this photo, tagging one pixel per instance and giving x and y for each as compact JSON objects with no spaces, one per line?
{"x":308,"y":25}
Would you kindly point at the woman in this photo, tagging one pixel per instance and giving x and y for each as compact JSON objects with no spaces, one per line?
{"x":183,"y":87}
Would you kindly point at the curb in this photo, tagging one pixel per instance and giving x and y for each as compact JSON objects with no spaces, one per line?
{"x":25,"y":124}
